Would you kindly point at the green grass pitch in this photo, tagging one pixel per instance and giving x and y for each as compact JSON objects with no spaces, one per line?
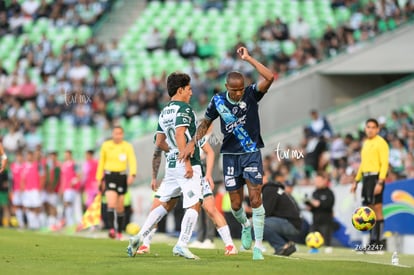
{"x":25,"y":252}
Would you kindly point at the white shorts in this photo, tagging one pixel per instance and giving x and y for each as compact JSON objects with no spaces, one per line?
{"x":206,"y":188}
{"x":174,"y":183}
{"x":17,"y":198}
{"x":32,"y":199}
{"x":69,"y":196}
{"x":52,"y":199}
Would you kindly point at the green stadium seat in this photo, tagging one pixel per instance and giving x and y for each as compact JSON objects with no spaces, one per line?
{"x":342,"y":15}
{"x":382,"y":26}
{"x":392,"y":25}
{"x":84,"y":32}
{"x":288,"y":47}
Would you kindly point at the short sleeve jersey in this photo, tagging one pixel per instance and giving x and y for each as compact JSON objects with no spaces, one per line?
{"x":177,"y":114}
{"x":240,"y":123}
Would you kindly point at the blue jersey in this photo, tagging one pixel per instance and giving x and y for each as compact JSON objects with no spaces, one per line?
{"x":240,"y":123}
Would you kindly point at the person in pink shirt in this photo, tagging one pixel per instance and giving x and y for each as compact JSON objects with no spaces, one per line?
{"x":31,"y":195}
{"x":69,"y":187}
{"x":16,"y":169}
{"x":89,"y":182}
{"x":27,"y":89}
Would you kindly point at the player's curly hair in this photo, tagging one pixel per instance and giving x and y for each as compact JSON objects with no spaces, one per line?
{"x":175,"y":81}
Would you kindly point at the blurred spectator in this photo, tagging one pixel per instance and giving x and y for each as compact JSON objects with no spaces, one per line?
{"x":319,"y":125}
{"x":398,"y":155}
{"x":44,"y":9}
{"x":32,"y":138}
{"x":330,"y":42}
{"x":14,"y":8}
{"x":338,"y":152}
{"x":153,"y":40}
{"x":13,"y":140}
{"x":299,"y":29}
{"x":212,"y":4}
{"x":280,"y":30}
{"x":171,"y":41}
{"x":51,"y":108}
{"x":30,"y":7}
{"x":79,"y":71}
{"x":4,"y":24}
{"x":28,"y":89}
{"x":315,"y":147}
{"x":33,"y":114}
{"x":188,"y":49}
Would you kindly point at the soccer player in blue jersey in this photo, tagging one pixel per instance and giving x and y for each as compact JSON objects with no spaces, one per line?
{"x":238,"y":110}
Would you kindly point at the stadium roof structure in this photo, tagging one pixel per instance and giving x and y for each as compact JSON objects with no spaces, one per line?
{"x":390,"y":54}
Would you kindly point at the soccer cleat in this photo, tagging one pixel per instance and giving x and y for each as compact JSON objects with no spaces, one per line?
{"x":184,"y":252}
{"x":246,"y":237}
{"x":230,"y":250}
{"x":133,"y":246}
{"x":257,"y":254}
{"x":111,"y":233}
{"x":143,"y":249}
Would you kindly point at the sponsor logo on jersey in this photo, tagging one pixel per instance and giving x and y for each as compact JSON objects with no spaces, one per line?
{"x":240,"y":121}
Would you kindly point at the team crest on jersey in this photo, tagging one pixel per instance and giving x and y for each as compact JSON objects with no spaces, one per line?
{"x":242,"y":105}
{"x":234,"y":110}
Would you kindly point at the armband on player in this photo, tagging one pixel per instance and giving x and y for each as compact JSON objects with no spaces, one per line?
{"x":4,"y":156}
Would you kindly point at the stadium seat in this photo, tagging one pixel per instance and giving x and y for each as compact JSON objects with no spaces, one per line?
{"x":83,"y":34}
{"x":288,"y":47}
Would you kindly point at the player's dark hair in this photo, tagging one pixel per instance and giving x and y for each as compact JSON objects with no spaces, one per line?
{"x":176,"y":81}
{"x":234,"y":76}
{"x":373,"y":120}
{"x":69,"y":151}
{"x":90,"y":152}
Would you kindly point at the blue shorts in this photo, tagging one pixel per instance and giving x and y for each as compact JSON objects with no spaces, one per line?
{"x":239,"y":168}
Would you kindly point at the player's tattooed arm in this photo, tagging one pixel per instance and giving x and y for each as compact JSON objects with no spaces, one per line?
{"x":201,"y":132}
{"x":156,"y":162}
{"x":202,"y":128}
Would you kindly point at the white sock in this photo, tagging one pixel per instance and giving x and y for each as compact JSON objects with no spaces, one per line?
{"x":69,"y":215}
{"x":153,"y":218}
{"x":30,"y":217}
{"x":19,"y":217}
{"x":36,"y":220}
{"x":42,"y":219}
{"x":224,"y":233}
{"x":147,"y":240}
{"x":51,"y":221}
{"x":187,"y":226}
